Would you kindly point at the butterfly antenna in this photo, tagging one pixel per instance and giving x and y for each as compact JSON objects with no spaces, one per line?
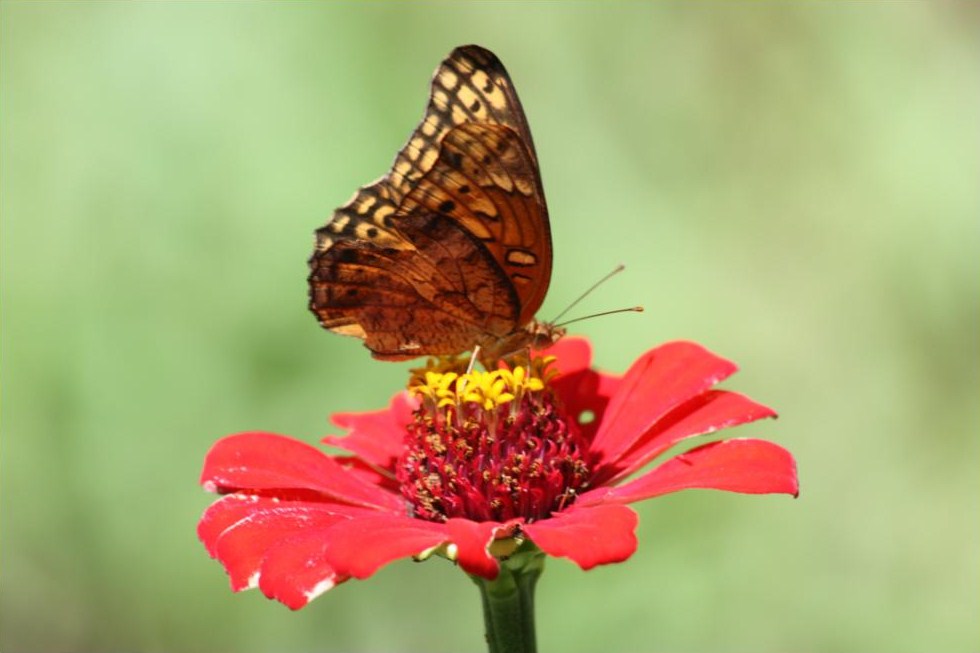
{"x":631,"y":309}
{"x":619,"y":268}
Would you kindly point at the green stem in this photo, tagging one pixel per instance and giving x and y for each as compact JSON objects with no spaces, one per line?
{"x":508,"y":602}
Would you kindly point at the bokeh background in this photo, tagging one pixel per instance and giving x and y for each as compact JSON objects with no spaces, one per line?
{"x":795,"y":186}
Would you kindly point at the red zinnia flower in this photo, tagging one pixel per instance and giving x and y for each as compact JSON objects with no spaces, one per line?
{"x":474,"y":468}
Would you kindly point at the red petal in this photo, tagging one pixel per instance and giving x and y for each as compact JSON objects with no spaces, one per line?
{"x":589,"y":536}
{"x":265,"y":461}
{"x":377,"y":437}
{"x":241,"y":530}
{"x":295,"y":572}
{"x":571,"y":354}
{"x":586,"y":393}
{"x":221,"y":514}
{"x":368,"y":473}
{"x":582,"y":390}
{"x":658,"y":382}
{"x":710,"y":412}
{"x":737,"y":465}
{"x":360,"y":547}
{"x":472,"y":540}
{"x":302,"y":568}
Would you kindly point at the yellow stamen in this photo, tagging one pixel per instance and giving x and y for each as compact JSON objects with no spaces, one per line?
{"x":489,"y":390}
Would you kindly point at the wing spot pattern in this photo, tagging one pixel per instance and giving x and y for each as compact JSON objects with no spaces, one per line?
{"x":455,"y":160}
{"x":449,"y":79}
{"x":365,"y":205}
{"x":430,"y":125}
{"x":521,"y":257}
{"x":415,"y":146}
{"x":459,"y":115}
{"x":428,"y":159}
{"x":482,"y":80}
{"x":440,"y":99}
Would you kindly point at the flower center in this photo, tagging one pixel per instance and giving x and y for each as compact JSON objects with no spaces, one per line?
{"x":490,"y":446}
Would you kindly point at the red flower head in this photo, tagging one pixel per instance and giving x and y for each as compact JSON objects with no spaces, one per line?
{"x":474,"y":466}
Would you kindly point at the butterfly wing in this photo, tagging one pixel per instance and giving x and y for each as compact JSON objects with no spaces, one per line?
{"x":452,"y":247}
{"x":486,"y":180}
{"x":435,"y":298}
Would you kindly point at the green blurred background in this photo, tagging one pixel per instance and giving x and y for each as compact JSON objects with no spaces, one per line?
{"x":795,"y":186}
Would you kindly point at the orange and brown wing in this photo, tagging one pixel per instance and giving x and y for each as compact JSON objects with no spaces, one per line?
{"x":486,"y":180}
{"x":452,"y":246}
{"x":436,"y":298}
{"x":469,"y":86}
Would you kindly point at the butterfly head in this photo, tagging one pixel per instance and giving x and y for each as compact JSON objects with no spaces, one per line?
{"x":544,"y":334}
{"x":535,"y":335}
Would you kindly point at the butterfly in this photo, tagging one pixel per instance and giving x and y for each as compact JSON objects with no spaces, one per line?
{"x":451,"y":250}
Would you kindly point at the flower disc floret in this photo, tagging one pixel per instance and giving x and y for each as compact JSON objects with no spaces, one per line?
{"x":490,"y":446}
